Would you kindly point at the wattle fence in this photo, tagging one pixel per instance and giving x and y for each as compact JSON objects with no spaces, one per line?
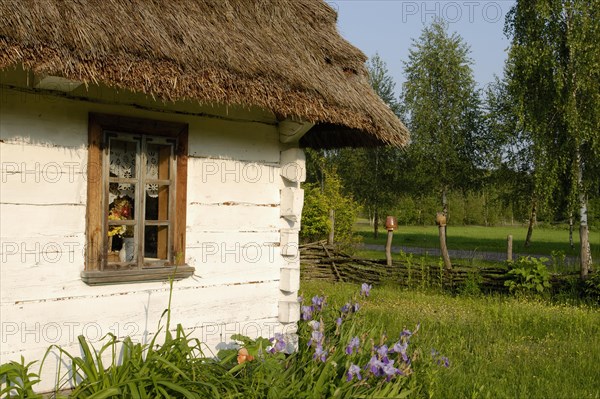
{"x":320,"y":261}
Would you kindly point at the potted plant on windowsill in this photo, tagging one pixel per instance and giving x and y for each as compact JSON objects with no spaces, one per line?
{"x":122,"y":210}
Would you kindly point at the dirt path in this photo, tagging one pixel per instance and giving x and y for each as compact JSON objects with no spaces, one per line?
{"x":461,"y":254}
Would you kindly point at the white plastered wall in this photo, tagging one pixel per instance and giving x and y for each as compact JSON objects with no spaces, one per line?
{"x":235,"y":227}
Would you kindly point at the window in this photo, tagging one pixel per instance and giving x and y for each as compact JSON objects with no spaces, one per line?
{"x":137,"y":179}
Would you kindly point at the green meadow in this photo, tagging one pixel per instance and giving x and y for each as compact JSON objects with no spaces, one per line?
{"x":499,"y":347}
{"x":484,"y":239}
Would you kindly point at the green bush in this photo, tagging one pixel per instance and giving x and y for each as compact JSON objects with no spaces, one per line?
{"x":315,"y":220}
{"x":318,"y":202}
{"x":472,"y":285}
{"x":528,"y":275}
{"x":591,"y":286}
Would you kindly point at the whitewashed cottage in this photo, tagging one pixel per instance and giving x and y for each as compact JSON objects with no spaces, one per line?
{"x":146,"y":139}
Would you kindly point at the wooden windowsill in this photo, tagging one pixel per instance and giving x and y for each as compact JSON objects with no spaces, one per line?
{"x":136,"y":276}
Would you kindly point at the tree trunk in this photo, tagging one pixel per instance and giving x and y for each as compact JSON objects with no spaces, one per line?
{"x":445,"y":212}
{"x":445,"y":202}
{"x":331,"y":237}
{"x":532,"y":220}
{"x":376,"y":223}
{"x":571,"y":230}
{"x":585,"y":253}
{"x":485,"y":209}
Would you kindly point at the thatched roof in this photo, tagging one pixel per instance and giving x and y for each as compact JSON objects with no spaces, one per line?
{"x":282,"y":55}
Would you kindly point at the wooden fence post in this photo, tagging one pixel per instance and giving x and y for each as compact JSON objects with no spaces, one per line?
{"x":440,"y":220}
{"x":509,"y":251}
{"x":390,"y":224}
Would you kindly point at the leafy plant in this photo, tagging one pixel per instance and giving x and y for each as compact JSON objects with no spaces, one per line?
{"x":528,"y":275}
{"x":591,"y":286}
{"x":16,"y":381}
{"x":472,"y":284}
{"x":175,"y":368}
{"x":558,"y":260}
{"x":334,"y":357}
{"x":315,"y":221}
{"x":318,"y":201}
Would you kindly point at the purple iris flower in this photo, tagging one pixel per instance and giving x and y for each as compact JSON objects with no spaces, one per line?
{"x":406,"y":333}
{"x":355,"y":307}
{"x":389,"y":370}
{"x":315,"y":325}
{"x":354,"y":344}
{"x":320,"y":354}
{"x":353,"y":371}
{"x":317,"y":301}
{"x":400,"y":348}
{"x":374,"y":366}
{"x":382,"y":351}
{"x":316,"y":337}
{"x":338,"y":321}
{"x":441,"y":360}
{"x":300,"y":299}
{"x":307,"y":312}
{"x":365,"y":289}
{"x":280,"y":344}
{"x":346,"y":308}
{"x":444,"y":361}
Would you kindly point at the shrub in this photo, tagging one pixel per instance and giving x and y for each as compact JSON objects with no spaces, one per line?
{"x":315,"y":219}
{"x":315,"y":214}
{"x":591,"y":286}
{"x":472,"y":284}
{"x":528,"y":275}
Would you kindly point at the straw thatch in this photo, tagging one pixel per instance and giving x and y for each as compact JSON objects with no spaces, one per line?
{"x":282,"y":55}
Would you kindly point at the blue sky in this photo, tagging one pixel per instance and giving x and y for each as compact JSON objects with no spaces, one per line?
{"x":388,"y":27}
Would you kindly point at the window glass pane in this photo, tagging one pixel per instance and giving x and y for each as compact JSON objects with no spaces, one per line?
{"x":121,"y":202}
{"x":158,"y":161}
{"x":157,"y":202}
{"x":156,"y":242}
{"x":121,"y":244}
{"x":122,"y":159}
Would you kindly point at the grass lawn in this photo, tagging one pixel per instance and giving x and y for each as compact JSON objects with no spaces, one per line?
{"x":480,"y":238}
{"x":429,"y":259}
{"x":498,"y":347}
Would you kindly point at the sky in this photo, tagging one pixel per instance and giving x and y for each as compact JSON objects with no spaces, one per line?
{"x":387,"y":27}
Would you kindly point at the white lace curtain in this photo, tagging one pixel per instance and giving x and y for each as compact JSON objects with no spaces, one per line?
{"x":122,"y":164}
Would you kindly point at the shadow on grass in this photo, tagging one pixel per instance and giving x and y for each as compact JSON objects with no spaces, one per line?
{"x":426,"y":239}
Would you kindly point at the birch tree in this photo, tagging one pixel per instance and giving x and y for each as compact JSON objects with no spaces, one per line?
{"x":554,"y":69}
{"x":441,"y":105}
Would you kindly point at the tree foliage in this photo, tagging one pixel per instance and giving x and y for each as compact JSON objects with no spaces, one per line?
{"x":441,"y":105}
{"x":318,"y":201}
{"x":372,"y":175}
{"x":554,"y":70}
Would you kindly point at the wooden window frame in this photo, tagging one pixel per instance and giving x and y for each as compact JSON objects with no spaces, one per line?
{"x":96,"y":223}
